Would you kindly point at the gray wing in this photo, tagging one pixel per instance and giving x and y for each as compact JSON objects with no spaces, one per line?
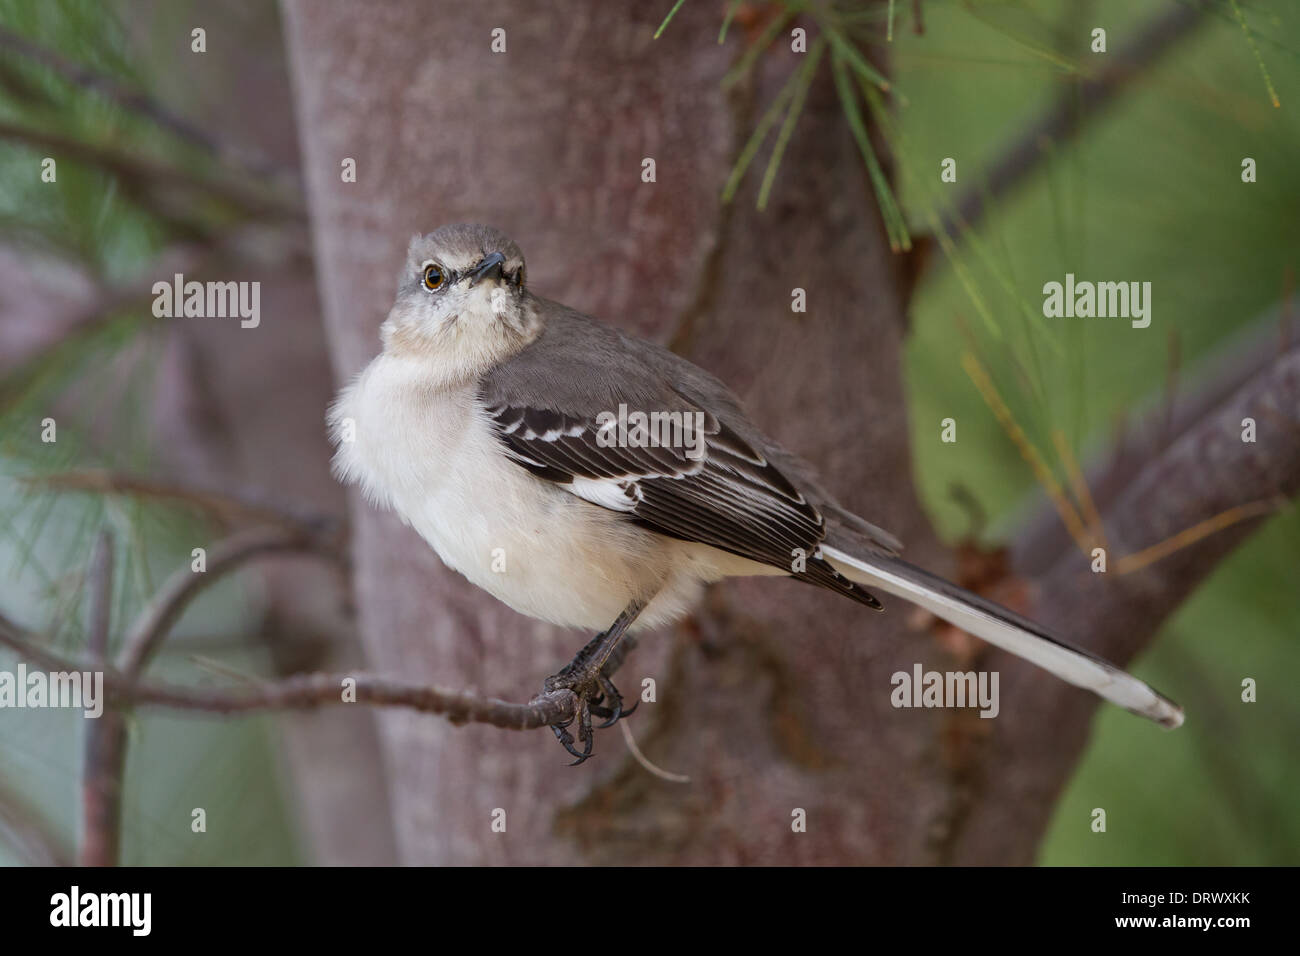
{"x":552,"y":406}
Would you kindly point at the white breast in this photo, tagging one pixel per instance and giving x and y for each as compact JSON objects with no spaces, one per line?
{"x":429,"y":454}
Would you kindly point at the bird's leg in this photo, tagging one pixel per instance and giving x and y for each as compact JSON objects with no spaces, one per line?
{"x":587,"y":676}
{"x":610,"y":706}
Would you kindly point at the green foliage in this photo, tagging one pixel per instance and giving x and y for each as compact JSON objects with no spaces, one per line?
{"x":845,"y":29}
{"x":1150,"y":191}
{"x":106,"y":233}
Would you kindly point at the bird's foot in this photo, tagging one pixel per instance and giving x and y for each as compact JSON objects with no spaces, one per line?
{"x":596,"y":695}
{"x":610,"y":705}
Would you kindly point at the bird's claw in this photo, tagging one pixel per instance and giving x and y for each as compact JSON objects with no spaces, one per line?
{"x":614,"y":712}
{"x":596,"y":695}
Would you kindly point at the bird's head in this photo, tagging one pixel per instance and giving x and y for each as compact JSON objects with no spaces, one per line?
{"x":462,"y":292}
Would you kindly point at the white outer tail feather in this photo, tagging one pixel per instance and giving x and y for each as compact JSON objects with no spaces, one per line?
{"x":986,"y":620}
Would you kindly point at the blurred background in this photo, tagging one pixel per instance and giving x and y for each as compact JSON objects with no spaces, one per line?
{"x":168,"y":161}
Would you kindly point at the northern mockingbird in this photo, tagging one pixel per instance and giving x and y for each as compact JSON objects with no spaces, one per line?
{"x":593,"y":480}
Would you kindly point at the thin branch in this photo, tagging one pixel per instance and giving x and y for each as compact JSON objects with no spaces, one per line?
{"x":1209,"y":471}
{"x":104,"y":760}
{"x":308,"y":692}
{"x":101,"y":596}
{"x":156,"y":620}
{"x":106,"y":739}
{"x":25,"y":643}
{"x":1065,"y":118}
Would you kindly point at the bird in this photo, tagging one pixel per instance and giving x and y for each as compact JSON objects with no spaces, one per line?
{"x":594,"y":480}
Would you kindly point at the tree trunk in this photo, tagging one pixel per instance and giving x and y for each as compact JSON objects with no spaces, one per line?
{"x":776,"y":696}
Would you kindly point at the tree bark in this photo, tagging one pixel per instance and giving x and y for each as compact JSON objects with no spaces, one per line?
{"x":777,"y":698}
{"x":774,"y":697}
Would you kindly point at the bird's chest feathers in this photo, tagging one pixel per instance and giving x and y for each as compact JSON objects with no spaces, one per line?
{"x":429,"y":453}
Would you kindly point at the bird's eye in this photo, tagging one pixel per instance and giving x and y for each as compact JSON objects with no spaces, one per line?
{"x":434,"y":277}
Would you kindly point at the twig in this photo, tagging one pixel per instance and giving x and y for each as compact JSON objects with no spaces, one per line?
{"x":106,"y":740}
{"x":156,"y":620}
{"x":104,"y":760}
{"x":308,"y":692}
{"x":101,"y":596}
{"x":23,"y":642}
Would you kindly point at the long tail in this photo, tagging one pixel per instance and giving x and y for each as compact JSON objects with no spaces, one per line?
{"x":1007,"y":630}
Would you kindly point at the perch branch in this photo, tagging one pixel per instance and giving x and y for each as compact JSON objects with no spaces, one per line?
{"x":307,"y":692}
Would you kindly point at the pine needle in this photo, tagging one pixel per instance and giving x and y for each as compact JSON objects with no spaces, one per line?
{"x":756,"y":138}
{"x":1254,"y":48}
{"x":895,"y":227}
{"x":671,"y":13}
{"x":803,"y":82}
{"x":848,"y":52}
{"x":746,"y":62}
{"x":726,"y":21}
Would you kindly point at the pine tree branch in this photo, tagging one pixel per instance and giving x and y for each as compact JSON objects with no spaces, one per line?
{"x":1208,"y":470}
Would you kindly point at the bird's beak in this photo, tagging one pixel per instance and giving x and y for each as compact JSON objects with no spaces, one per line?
{"x":489,"y":268}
